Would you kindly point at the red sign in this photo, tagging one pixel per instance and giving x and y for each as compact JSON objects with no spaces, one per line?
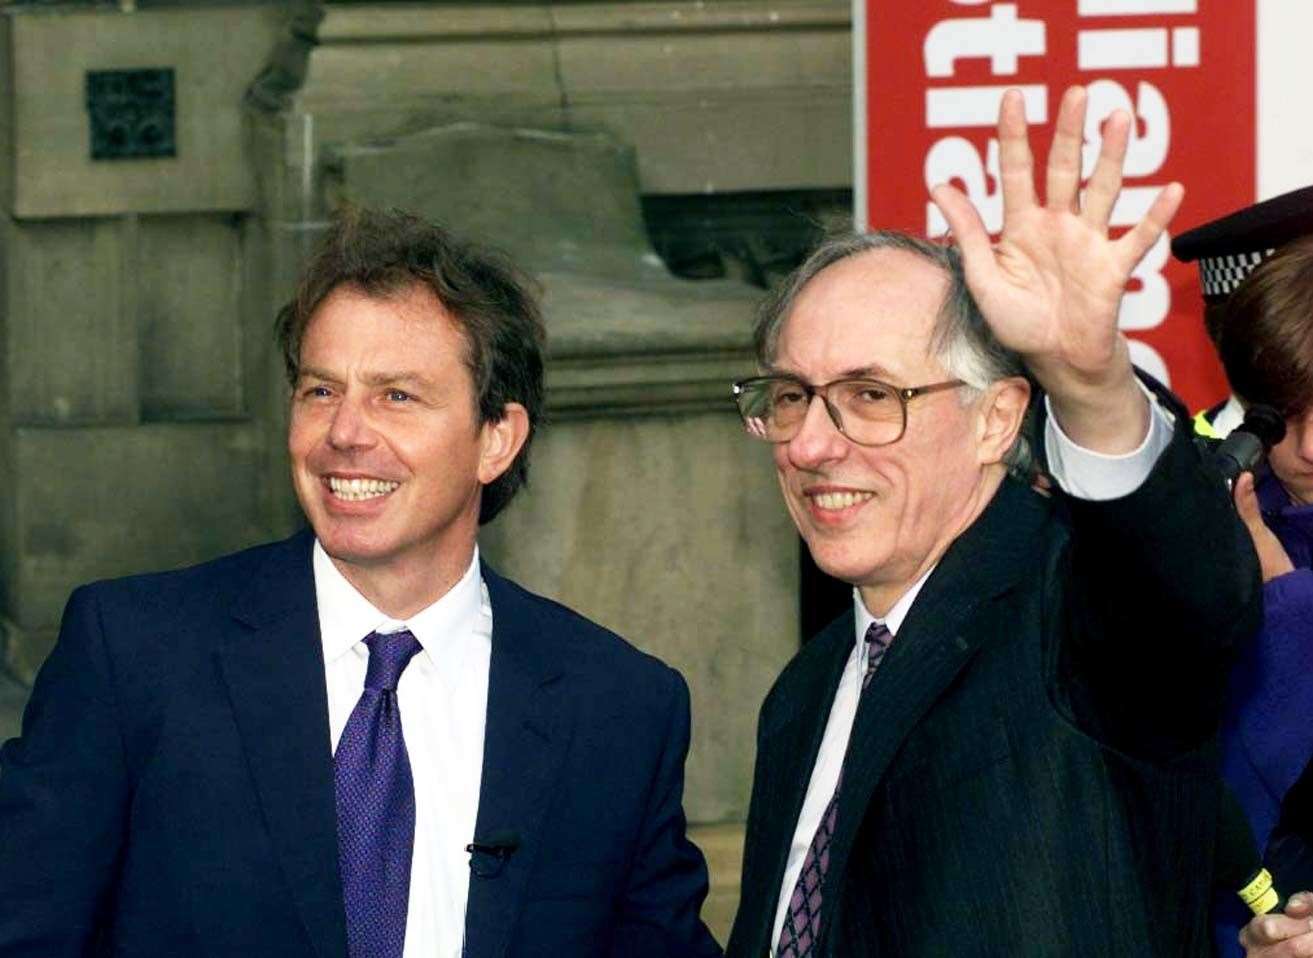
{"x":929,"y":79}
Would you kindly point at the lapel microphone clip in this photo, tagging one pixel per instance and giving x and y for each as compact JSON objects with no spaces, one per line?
{"x":488,"y":856}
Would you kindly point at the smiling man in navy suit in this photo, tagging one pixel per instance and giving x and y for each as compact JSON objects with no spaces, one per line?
{"x":360,"y":742}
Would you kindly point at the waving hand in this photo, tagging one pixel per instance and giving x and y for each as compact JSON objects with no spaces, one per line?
{"x":1051,"y":286}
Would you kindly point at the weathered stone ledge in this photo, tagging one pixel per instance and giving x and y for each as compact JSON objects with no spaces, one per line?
{"x":391,"y":22}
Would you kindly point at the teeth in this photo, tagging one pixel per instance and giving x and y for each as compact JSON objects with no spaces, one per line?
{"x":840,"y":500}
{"x":356,"y":490}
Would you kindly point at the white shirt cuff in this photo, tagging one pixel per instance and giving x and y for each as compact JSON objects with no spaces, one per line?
{"x":1087,"y":474}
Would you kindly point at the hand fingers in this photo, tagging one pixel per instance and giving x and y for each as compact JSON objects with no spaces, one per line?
{"x":968,"y":229}
{"x":969,"y":233}
{"x":1272,"y":929}
{"x":1132,"y":247}
{"x":1299,"y":947}
{"x":1300,"y":905}
{"x":1016,"y":164}
{"x":1106,"y":180}
{"x":1063,"y":179}
{"x":1273,"y":561}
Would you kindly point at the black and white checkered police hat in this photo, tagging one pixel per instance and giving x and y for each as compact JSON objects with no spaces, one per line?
{"x":1230,"y":248}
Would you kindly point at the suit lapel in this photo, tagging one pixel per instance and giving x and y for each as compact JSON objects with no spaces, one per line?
{"x":948,"y":623}
{"x":525,"y":742}
{"x":272,"y":663}
{"x":789,"y":745}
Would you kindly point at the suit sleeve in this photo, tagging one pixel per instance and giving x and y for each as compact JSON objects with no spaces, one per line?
{"x":63,"y":798}
{"x":1165,"y":587}
{"x":659,"y":911}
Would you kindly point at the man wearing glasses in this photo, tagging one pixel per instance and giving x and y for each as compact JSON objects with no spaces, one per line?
{"x":1004,"y":749}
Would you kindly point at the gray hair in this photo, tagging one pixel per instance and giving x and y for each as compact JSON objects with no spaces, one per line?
{"x":961,"y":339}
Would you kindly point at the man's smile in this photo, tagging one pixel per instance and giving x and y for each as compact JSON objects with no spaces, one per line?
{"x":830,"y":502}
{"x":359,"y":488}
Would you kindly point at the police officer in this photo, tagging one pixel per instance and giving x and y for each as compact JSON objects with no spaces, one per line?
{"x":1229,"y":250}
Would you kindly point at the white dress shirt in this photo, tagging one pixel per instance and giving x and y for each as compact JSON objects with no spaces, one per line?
{"x":443,"y":698}
{"x":1080,"y":472}
{"x":838,"y":729}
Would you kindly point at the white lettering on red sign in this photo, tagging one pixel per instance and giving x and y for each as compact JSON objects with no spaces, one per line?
{"x":1002,"y":37}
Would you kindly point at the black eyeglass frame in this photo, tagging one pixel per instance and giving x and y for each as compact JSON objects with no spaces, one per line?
{"x":904,"y":394}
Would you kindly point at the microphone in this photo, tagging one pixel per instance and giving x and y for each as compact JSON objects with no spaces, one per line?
{"x":1239,"y":867}
{"x":1243,"y":450}
{"x":488,"y":856}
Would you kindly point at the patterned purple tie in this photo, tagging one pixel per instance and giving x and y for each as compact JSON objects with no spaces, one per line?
{"x":802,"y":922}
{"x":376,"y":806}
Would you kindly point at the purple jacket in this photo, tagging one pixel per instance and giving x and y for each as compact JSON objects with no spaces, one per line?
{"x":1267,"y":727}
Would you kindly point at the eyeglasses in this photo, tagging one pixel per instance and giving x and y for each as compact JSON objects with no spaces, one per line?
{"x":867,"y":411}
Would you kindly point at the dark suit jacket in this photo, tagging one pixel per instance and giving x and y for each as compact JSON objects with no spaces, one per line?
{"x":172,"y":791}
{"x":1031,"y":772}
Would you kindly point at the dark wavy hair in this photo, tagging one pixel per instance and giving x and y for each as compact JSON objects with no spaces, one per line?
{"x":382,"y":253}
{"x":1266,"y":332}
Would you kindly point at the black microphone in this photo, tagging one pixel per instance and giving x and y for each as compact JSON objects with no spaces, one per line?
{"x":1239,"y":867}
{"x":488,"y":856}
{"x":1243,"y":450}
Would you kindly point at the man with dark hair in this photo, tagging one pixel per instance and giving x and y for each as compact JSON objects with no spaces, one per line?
{"x":385,"y":254}
{"x":360,"y":742}
{"x":1005,"y":747}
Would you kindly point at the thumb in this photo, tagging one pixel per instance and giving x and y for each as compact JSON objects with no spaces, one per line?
{"x":1246,"y":502}
{"x":966,"y":226}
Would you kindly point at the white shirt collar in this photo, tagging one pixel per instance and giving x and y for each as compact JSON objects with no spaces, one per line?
{"x":894,"y":620}
{"x":346,"y":616}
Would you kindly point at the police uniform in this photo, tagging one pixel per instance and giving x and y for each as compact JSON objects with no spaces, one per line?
{"x":1228,"y":250}
{"x":1216,"y":422}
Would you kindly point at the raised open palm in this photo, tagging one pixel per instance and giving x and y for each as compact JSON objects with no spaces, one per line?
{"x":1051,"y":286}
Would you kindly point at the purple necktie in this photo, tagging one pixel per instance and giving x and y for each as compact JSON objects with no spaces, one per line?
{"x":376,"y":806}
{"x":802,"y":922}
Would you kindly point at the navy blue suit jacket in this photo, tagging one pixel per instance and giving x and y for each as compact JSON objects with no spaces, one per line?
{"x":172,"y":790}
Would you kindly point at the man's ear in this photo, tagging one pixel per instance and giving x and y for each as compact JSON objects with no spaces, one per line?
{"x":502,"y":441}
{"x":1002,"y":412}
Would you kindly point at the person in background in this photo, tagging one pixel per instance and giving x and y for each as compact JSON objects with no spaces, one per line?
{"x":1265,"y":341}
{"x":1228,"y":250}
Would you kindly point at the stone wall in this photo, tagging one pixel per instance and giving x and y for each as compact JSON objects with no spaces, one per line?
{"x":130,"y":433}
